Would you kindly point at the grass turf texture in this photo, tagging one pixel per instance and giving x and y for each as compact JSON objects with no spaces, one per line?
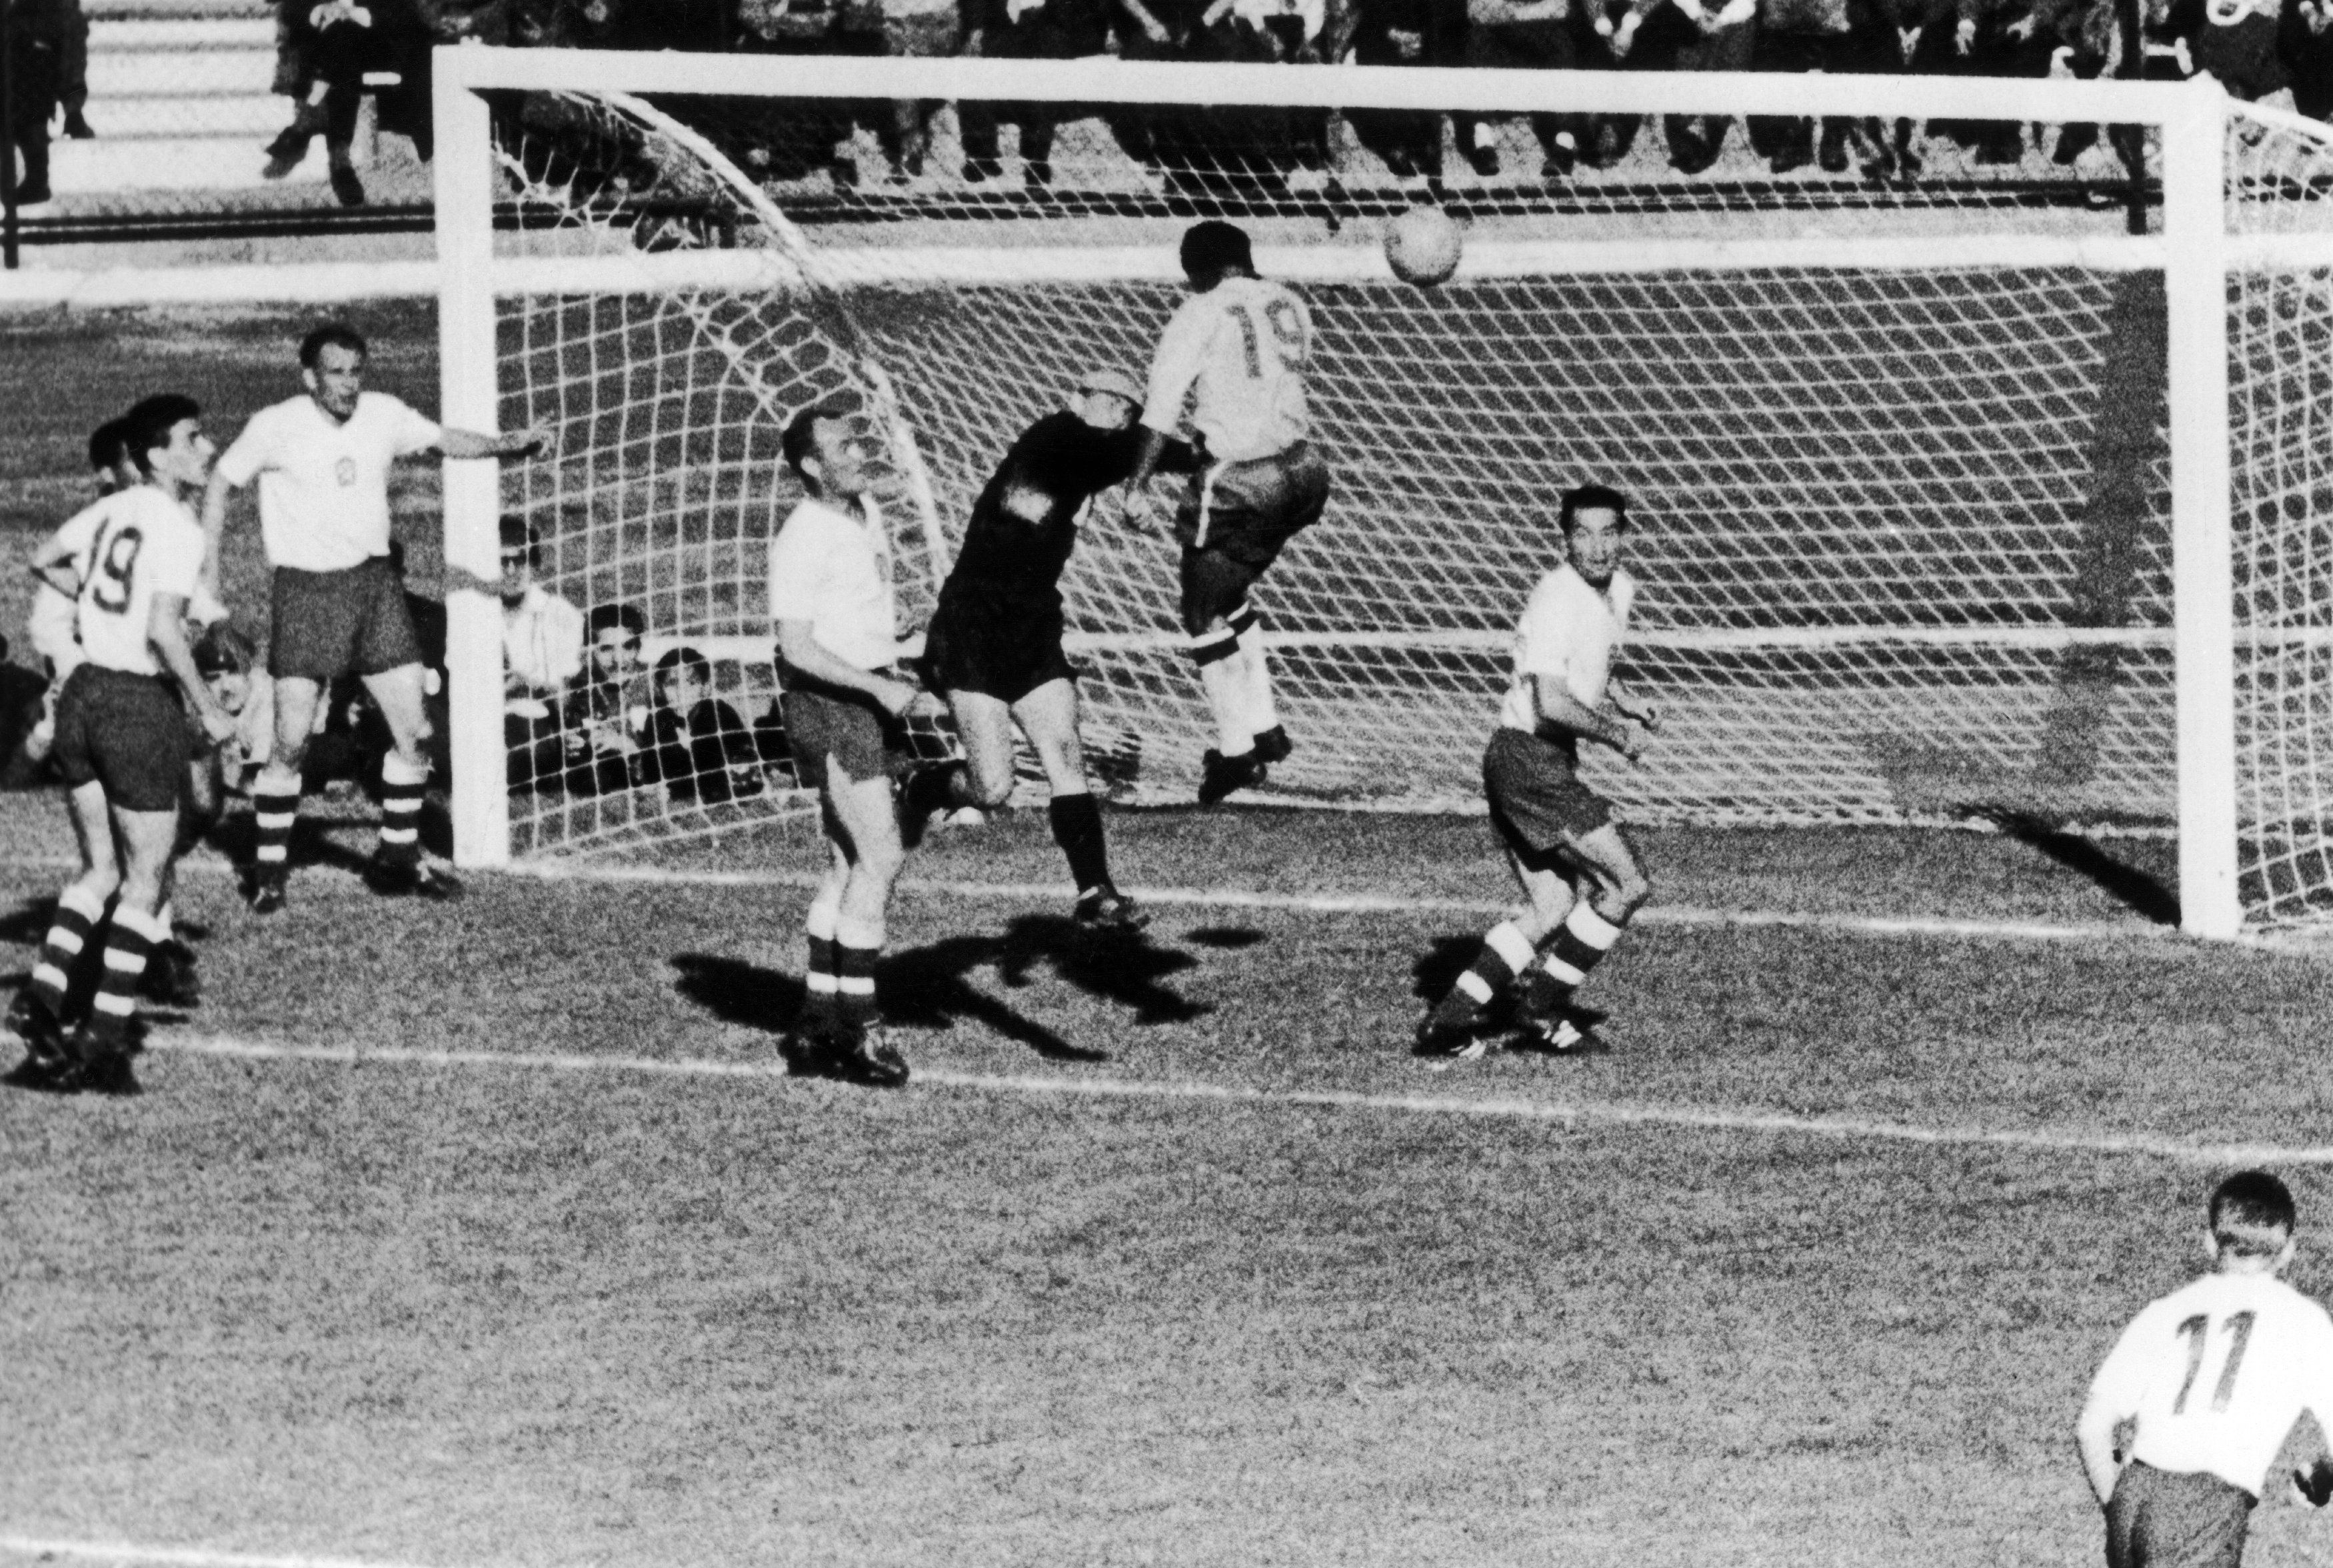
{"x":527,"y":1312}
{"x":521,"y":1312}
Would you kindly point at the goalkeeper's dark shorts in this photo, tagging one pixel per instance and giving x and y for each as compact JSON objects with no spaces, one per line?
{"x":1539,"y":807}
{"x":2171,"y":1519}
{"x":996,"y":646}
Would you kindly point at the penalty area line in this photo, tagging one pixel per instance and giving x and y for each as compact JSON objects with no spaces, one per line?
{"x":172,"y":1556}
{"x":1508,"y":1108}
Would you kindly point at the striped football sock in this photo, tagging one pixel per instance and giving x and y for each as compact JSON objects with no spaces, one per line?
{"x":401,"y":810}
{"x":129,"y":944}
{"x":1578,"y":946}
{"x":1504,"y":953}
{"x":854,"y":983}
{"x":274,"y":812}
{"x":79,"y":913}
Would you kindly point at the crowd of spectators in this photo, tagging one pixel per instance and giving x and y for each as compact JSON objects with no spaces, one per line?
{"x":2257,"y":48}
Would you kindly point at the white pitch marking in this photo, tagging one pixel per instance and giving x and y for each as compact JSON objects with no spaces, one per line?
{"x":1361,"y":903}
{"x":1304,"y":903}
{"x":178,"y":1556}
{"x":1499,"y":1108}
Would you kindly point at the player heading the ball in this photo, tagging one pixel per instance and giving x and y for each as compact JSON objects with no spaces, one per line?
{"x":1575,"y":865}
{"x":993,"y":647}
{"x":1236,"y":352}
{"x":2211,"y":1379}
{"x":322,"y":462}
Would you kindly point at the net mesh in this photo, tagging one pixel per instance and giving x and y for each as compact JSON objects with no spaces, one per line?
{"x":2281,"y":334}
{"x":1903,"y":535}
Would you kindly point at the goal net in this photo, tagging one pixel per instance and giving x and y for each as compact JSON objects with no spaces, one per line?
{"x":1936,"y":520}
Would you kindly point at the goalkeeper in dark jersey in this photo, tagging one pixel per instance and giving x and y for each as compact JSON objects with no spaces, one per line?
{"x":993,"y":648}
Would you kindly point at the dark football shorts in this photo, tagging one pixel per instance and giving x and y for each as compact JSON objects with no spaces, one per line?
{"x":1234,"y":520}
{"x":999,"y":649}
{"x":330,"y":624}
{"x":2165,"y":1519}
{"x":128,"y":732}
{"x":822,"y":721}
{"x":1538,"y":804}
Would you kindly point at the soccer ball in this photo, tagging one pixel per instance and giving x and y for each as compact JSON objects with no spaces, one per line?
{"x":1422,"y":246}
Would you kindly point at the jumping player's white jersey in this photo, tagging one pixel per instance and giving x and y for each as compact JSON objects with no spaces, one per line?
{"x":1569,"y":632}
{"x":323,"y":482}
{"x":147,"y":544}
{"x":1243,"y":345}
{"x":2215,"y":1374}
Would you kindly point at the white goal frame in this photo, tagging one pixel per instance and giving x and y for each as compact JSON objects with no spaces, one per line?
{"x":2194,"y":252}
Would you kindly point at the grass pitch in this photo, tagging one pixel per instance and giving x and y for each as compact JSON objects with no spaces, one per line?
{"x":494,"y":1234}
{"x":536,"y":1256}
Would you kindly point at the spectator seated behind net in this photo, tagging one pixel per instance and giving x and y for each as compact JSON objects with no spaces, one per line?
{"x":696,"y":745}
{"x":607,"y":716}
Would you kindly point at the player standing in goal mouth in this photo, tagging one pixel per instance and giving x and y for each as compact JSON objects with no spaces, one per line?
{"x":1574,"y":863}
{"x":993,"y":647}
{"x":322,"y":462}
{"x":1236,"y":351}
{"x":830,"y":598}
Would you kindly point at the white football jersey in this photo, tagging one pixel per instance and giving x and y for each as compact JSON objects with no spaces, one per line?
{"x":1569,"y":632}
{"x":323,"y":482}
{"x":1242,"y":347}
{"x":2217,"y":1372}
{"x":147,"y":544}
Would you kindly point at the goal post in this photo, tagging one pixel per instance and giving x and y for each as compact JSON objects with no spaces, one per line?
{"x":1912,"y":551}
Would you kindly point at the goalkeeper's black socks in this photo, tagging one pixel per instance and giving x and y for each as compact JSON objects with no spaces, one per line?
{"x":1077,"y":828}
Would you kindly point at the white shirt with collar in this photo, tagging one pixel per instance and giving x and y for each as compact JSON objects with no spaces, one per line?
{"x":323,"y":482}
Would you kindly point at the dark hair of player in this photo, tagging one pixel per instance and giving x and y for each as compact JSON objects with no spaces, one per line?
{"x":2253,"y":1215}
{"x":518,"y":534}
{"x":1212,"y":248}
{"x":627,"y":616}
{"x":331,"y":335}
{"x":224,"y":651}
{"x":799,"y":443}
{"x":1590,"y":498}
{"x":148,"y":423}
{"x":108,"y":443}
{"x":688,"y":659}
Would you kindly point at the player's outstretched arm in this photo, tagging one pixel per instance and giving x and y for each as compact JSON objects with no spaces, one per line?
{"x":457,"y":443}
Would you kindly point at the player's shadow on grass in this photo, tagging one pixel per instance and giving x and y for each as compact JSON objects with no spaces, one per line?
{"x":1438,"y":969}
{"x":739,"y":993}
{"x":2143,"y":892}
{"x":27,"y":925}
{"x":931,"y":987}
